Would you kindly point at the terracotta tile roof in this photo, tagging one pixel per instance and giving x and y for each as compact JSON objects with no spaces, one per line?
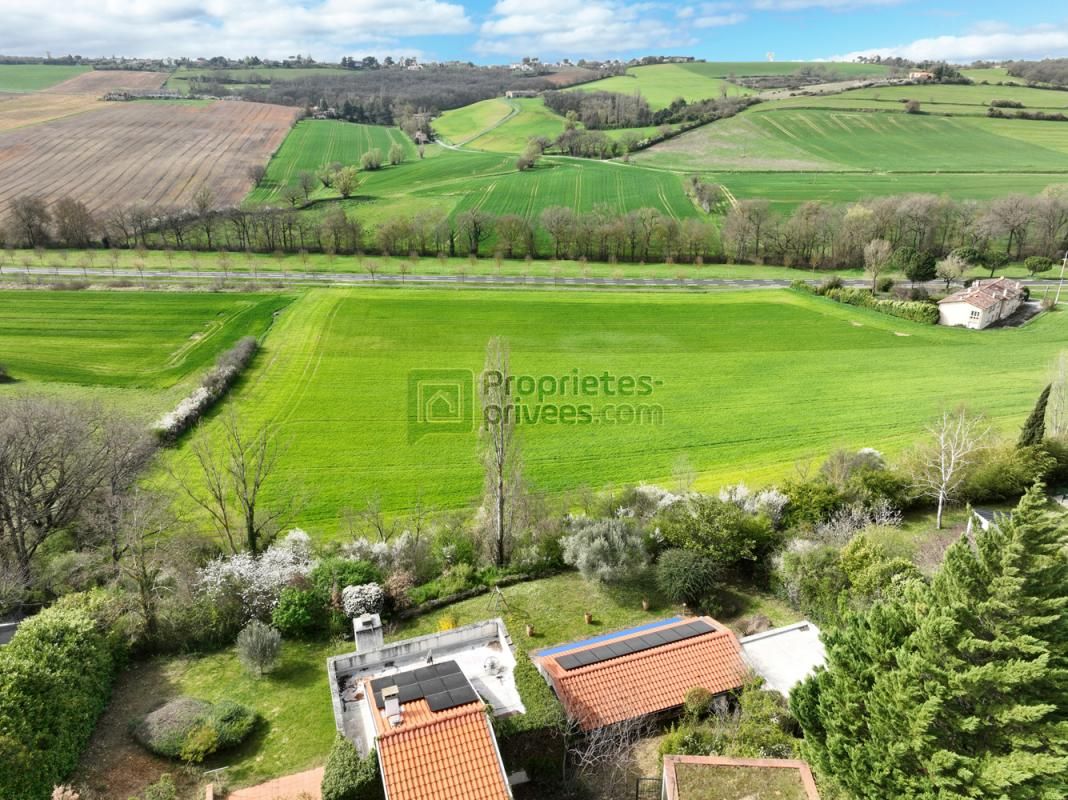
{"x":442,"y":755}
{"x":986,"y":293}
{"x":648,"y":681}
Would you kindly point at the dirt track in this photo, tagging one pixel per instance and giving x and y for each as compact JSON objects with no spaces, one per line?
{"x":153,"y":152}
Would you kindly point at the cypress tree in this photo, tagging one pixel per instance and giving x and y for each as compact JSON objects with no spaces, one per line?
{"x":969,"y":697}
{"x":1034,"y":430}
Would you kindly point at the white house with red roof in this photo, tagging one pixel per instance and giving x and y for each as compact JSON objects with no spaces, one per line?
{"x":981,"y":304}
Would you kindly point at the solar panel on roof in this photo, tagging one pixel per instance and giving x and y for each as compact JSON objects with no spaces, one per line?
{"x":636,"y":644}
{"x":442,"y":680}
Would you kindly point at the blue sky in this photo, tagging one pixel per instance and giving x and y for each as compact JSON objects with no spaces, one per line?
{"x":496,"y":31}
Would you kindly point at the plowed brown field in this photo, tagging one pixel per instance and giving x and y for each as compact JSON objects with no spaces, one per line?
{"x":17,"y":110}
{"x":100,"y":82}
{"x":155,"y":153}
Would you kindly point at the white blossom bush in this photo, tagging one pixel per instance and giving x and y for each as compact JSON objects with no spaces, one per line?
{"x":406,"y":553}
{"x":847,"y":522}
{"x":364,"y":599}
{"x":770,"y":502}
{"x":258,"y":581}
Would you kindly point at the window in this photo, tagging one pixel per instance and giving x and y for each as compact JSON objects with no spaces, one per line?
{"x":976,"y":313}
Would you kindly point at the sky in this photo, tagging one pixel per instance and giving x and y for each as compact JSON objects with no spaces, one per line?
{"x":502,"y":31}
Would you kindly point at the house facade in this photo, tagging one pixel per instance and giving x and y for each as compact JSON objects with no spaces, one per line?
{"x":981,"y":304}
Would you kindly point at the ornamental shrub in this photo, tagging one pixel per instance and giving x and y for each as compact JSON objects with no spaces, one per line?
{"x":686,"y":576}
{"x":191,"y":730}
{"x":365,"y":599}
{"x":605,"y":549}
{"x":342,"y":572}
{"x":258,"y":647}
{"x":55,"y":680}
{"x":347,"y":776}
{"x":300,"y":611}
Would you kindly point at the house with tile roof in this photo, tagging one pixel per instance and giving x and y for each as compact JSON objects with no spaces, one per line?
{"x":424,"y":705}
{"x":981,"y":304}
{"x":642,"y":671}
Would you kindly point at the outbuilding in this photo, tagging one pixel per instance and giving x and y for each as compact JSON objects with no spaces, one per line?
{"x":981,"y":304}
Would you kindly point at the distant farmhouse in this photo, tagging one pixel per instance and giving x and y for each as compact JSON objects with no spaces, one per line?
{"x":514,"y":93}
{"x":981,"y":304}
{"x":921,"y":76}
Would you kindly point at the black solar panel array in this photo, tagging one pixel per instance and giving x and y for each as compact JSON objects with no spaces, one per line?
{"x":443,"y":685}
{"x":636,"y":644}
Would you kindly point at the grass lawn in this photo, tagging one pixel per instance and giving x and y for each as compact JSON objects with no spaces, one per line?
{"x":752,"y":384}
{"x":34,"y":77}
{"x":294,"y":700}
{"x":704,"y":782}
{"x":511,"y":136}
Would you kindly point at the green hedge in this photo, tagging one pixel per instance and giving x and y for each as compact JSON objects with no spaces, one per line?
{"x":543,"y":710}
{"x":925,"y":313}
{"x":349,"y":777}
{"x":55,"y":680}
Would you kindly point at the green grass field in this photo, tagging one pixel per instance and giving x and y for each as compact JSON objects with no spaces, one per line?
{"x":660,"y":84}
{"x":181,"y":78}
{"x":139,"y":339}
{"x":531,"y":118}
{"x":933,"y":98}
{"x":315,"y":143}
{"x":753,"y":383}
{"x":34,"y":77}
{"x":461,"y":125}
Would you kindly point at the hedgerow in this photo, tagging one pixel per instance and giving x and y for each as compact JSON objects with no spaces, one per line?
{"x":925,"y":313}
{"x":347,"y":776}
{"x":55,"y":680}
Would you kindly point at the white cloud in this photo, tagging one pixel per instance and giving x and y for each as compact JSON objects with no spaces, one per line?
{"x":993,"y":41}
{"x":833,"y":5}
{"x":272,"y":28}
{"x":571,"y":27}
{"x":719,"y":20}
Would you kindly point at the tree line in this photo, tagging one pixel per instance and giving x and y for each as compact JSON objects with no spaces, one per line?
{"x":914,"y":231}
{"x":1049,"y":70}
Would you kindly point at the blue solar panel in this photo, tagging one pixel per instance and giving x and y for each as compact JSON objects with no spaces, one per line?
{"x":636,"y":644}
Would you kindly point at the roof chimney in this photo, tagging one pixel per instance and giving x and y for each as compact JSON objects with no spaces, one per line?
{"x":392,"y":711}
{"x":367,"y":630}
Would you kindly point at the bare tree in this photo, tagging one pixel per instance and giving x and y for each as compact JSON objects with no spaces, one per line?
{"x":53,"y":457}
{"x":29,"y":220}
{"x":1057,"y":421}
{"x":370,"y":522}
{"x":144,"y":525}
{"x":877,"y":254}
{"x":230,"y":479}
{"x":256,"y":173}
{"x":607,"y":752}
{"x":501,"y":456}
{"x":940,"y":466}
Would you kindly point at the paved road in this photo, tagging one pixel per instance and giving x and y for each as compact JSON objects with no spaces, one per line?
{"x":363,"y":279}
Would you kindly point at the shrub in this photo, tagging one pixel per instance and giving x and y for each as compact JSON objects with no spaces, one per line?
{"x":191,"y":730}
{"x":1037,"y":264}
{"x":342,"y":572}
{"x":722,"y":531}
{"x":884,"y":284}
{"x":163,"y":789}
{"x":696,"y":702}
{"x":811,"y":502}
{"x":398,"y":588}
{"x":300,"y":611}
{"x":55,"y":679}
{"x":5,"y":376}
{"x":605,"y":549}
{"x":213,"y":386}
{"x":1005,"y":472}
{"x":812,"y":580}
{"x":367,"y":598}
{"x":1006,"y":104}
{"x":346,"y":776}
{"x":371,"y":160}
{"x":686,"y":576}
{"x":258,"y":647}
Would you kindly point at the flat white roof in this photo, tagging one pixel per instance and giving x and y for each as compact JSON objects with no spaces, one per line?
{"x":783,"y":657}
